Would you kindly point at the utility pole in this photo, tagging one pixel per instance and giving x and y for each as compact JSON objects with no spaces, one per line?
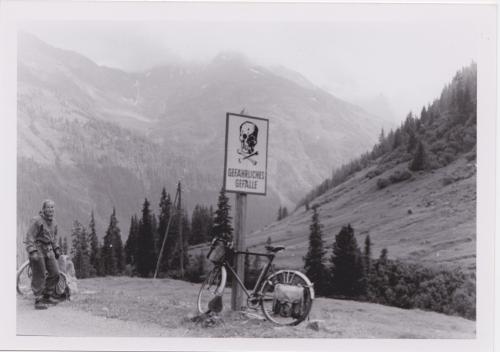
{"x":177,"y":197}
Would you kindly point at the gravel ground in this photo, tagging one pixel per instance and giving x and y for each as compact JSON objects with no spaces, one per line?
{"x":123,"y":306}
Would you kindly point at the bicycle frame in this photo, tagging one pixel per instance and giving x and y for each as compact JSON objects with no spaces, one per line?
{"x":262,"y":275}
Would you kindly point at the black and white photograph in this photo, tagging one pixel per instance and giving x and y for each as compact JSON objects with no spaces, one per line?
{"x":250,"y":175}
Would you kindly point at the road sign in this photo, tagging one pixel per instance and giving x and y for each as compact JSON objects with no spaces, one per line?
{"x":245,"y":164}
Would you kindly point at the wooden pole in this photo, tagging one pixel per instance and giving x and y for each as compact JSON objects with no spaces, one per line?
{"x":239,"y":242}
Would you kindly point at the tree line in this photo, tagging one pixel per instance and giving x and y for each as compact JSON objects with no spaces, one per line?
{"x":349,"y":272}
{"x":147,"y":235}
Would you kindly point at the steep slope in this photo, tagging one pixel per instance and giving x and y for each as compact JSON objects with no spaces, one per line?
{"x":424,"y":219}
{"x":414,"y":193}
{"x":93,"y":137}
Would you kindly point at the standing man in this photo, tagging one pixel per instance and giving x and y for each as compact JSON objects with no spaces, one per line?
{"x":43,"y":251}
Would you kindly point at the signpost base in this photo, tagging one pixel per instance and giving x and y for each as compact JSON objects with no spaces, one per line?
{"x":237,"y":293}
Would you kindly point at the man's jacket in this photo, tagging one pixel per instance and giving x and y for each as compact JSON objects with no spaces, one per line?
{"x":41,"y":230}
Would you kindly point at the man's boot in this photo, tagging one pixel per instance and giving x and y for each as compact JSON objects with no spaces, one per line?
{"x":39,"y":305}
{"x":49,"y":300}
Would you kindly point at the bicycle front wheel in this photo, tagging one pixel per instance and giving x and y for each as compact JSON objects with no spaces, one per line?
{"x":212,"y":290}
{"x":297,"y":312}
{"x":23,"y":283}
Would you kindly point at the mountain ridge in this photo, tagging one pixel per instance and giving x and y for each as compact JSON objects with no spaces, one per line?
{"x":163,"y":125}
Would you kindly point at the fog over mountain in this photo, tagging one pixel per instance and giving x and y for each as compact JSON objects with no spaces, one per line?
{"x":406,"y":54}
{"x":94,"y":137}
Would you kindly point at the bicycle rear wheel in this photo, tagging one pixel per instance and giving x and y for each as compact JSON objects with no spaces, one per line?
{"x":23,"y":283}
{"x":286,"y":277}
{"x":212,"y":290}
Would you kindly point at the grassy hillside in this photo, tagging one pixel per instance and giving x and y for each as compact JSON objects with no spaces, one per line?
{"x":430,"y":218}
{"x":414,"y":193}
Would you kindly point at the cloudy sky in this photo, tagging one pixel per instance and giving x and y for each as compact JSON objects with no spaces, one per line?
{"x":405,"y":53}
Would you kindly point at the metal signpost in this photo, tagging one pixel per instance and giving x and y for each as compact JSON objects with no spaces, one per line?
{"x":245,"y":172}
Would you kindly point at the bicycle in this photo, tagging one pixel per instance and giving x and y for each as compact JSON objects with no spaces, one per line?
{"x":23,"y":279}
{"x":272,"y":292}
{"x":67,"y":278}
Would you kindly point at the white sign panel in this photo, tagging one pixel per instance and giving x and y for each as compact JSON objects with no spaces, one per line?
{"x":245,"y":166}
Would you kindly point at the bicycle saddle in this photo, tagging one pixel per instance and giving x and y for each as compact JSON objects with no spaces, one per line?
{"x":274,"y":249}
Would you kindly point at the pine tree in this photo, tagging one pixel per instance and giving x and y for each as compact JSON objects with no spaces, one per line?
{"x":347,"y":264}
{"x":108,"y":252}
{"x":145,"y":261}
{"x":156,"y":236}
{"x":165,"y":205}
{"x":201,"y":225}
{"x":367,"y":254}
{"x":112,"y":250}
{"x":163,"y":219}
{"x":378,"y":281}
{"x":314,"y":260}
{"x":101,"y":271}
{"x":412,"y":142}
{"x":381,"y":136}
{"x":196,"y":226}
{"x":419,"y":161}
{"x":131,"y":243}
{"x":424,"y":117}
{"x":94,"y":247}
{"x":280,"y":214}
{"x":80,"y":250}
{"x":383,"y":256}
{"x":119,"y":251}
{"x":186,"y":231}
{"x":397,"y":139}
{"x":222,"y":223}
{"x":171,"y":244}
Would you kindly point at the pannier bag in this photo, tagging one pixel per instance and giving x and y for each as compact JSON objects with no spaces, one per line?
{"x":217,"y":251}
{"x":288,"y":301}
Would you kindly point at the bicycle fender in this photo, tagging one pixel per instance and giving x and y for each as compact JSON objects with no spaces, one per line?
{"x":310,"y":285}
{"x":223,"y":274}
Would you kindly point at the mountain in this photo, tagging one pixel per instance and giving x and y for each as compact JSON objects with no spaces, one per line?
{"x":414,"y":193}
{"x":379,"y":105}
{"x":94,"y":137}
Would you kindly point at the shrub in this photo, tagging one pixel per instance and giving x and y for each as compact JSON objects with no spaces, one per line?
{"x":447,"y":180}
{"x":382,"y":183}
{"x":399,"y":176}
{"x":446,"y":157}
{"x":404,"y":285}
{"x":373,"y":173}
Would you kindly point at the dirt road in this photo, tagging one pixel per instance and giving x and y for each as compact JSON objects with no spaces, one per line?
{"x":63,"y":320}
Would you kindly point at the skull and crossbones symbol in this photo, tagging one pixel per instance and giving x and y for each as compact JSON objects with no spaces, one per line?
{"x":248,"y":140}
